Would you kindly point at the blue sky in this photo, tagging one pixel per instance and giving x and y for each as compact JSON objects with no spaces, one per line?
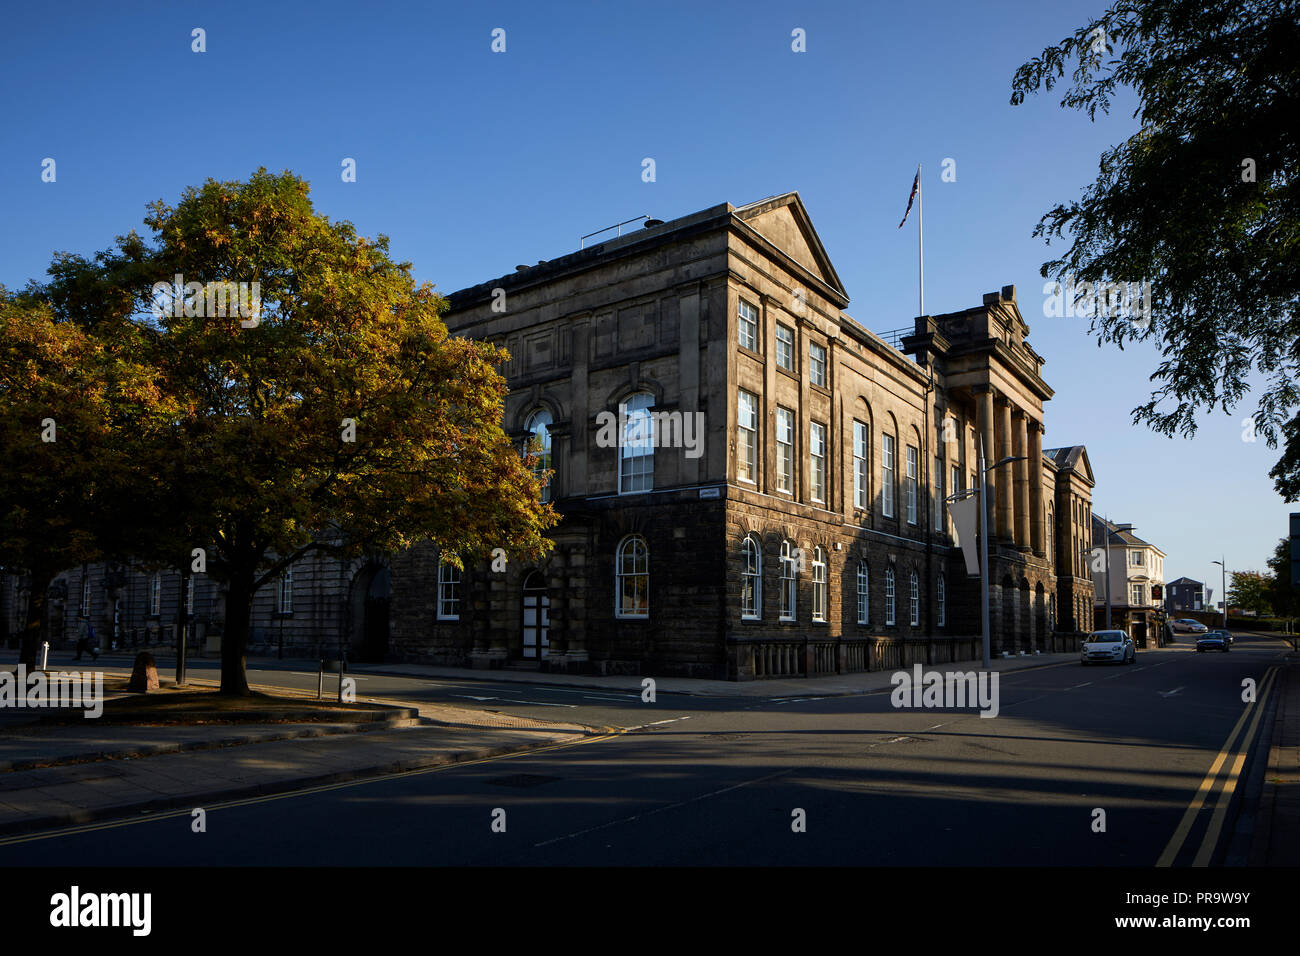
{"x":473,"y":161}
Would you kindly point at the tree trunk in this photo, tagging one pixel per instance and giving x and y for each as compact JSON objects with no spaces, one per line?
{"x":30,"y":643}
{"x":234,"y":639}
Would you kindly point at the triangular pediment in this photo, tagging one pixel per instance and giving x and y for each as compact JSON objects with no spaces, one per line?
{"x":783,"y":221}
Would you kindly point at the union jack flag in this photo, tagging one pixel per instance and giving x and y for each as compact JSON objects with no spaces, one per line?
{"x":916,"y":184}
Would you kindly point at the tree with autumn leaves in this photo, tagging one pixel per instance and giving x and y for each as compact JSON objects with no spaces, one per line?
{"x":334,"y":412}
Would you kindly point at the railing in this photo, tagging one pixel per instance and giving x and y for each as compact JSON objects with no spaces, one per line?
{"x":894,"y":337}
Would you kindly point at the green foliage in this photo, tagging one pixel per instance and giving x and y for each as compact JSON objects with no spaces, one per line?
{"x":1218,"y":84}
{"x":1284,"y":599}
{"x":1249,"y":591}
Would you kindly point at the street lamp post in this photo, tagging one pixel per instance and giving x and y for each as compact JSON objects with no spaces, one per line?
{"x":1117,"y":529}
{"x":1223,"y":567}
{"x":982,"y":491}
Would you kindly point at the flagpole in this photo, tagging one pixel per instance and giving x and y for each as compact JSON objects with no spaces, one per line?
{"x":920,"y":236}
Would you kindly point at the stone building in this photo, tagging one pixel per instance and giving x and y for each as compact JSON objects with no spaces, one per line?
{"x":770,"y":499}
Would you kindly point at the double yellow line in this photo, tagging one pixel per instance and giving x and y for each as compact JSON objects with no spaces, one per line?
{"x":1175,"y":845}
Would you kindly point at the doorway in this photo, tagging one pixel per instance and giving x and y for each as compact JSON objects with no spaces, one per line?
{"x":537,"y":620}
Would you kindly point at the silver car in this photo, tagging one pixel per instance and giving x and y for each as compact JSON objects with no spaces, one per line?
{"x":1107,"y":647}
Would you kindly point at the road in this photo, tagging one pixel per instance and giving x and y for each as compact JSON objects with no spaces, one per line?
{"x":1163,"y":747}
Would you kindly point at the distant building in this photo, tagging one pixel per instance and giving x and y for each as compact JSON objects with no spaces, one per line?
{"x":1135,"y":567}
{"x":1184,"y":594}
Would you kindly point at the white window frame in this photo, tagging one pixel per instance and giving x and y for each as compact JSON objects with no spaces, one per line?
{"x":890,"y":618}
{"x":85,"y":595}
{"x":636,"y":452}
{"x":1136,"y":559}
{"x":913,"y":467}
{"x":819,"y":586}
{"x":751,"y":579}
{"x":1137,"y":595}
{"x":785,"y":348}
{"x":747,"y":443}
{"x":633,"y":551}
{"x":861,"y":465}
{"x":449,"y":581}
{"x":888,"y":451}
{"x":942,"y":595}
{"x":155,"y":595}
{"x":747,"y":325}
{"x":864,"y":593}
{"x":789,"y":583}
{"x":283,"y":591}
{"x":914,"y":599}
{"x":817,"y":462}
{"x":817,"y":364}
{"x":785,"y":450}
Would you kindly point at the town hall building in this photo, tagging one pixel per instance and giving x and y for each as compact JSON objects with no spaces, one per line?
{"x":751,"y":484}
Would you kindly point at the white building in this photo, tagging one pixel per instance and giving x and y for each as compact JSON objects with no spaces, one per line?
{"x":1137,"y":575}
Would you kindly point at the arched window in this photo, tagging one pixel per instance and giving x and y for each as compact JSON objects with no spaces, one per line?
{"x":943,"y":601}
{"x":632,"y":578}
{"x":155,"y":595}
{"x":751,"y":582}
{"x":539,"y":444}
{"x":819,"y":584}
{"x":864,"y":592}
{"x":636,"y":455}
{"x":914,"y":599}
{"x":789,"y":580}
{"x":448,"y":591}
{"x":889,"y":596}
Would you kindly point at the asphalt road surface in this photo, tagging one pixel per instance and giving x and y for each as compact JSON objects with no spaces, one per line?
{"x":1137,"y":765}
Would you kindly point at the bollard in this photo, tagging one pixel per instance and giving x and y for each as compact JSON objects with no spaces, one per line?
{"x":343,"y":670}
{"x":45,"y":655}
{"x":320,"y":679}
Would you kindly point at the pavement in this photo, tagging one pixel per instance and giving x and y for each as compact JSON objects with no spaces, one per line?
{"x":1277,"y":820}
{"x":829,"y":686}
{"x":68,"y":775}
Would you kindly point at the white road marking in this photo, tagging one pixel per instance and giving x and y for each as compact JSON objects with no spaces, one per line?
{"x":656,"y":723}
{"x":1169,"y":693}
{"x":314,"y":674}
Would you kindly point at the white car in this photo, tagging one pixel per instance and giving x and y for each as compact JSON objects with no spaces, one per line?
{"x":1107,"y":647}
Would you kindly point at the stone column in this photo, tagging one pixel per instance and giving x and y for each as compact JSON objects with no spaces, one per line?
{"x":1037,"y":537}
{"x":1020,"y":436}
{"x":984,"y":425}
{"x":1005,"y":497}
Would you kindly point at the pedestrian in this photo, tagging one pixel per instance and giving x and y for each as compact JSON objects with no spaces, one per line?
{"x":83,"y":641}
{"x":92,"y":644}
